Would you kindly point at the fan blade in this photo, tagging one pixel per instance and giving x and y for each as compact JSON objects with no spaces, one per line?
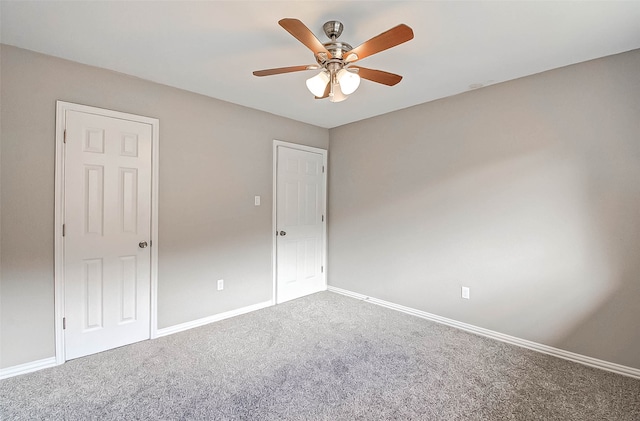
{"x":327,"y":90}
{"x":378,"y":76}
{"x":279,"y":70}
{"x":391,"y":38}
{"x":304,"y":35}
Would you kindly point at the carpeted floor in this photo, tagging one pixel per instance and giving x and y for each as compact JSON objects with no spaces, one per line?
{"x":322,"y":357}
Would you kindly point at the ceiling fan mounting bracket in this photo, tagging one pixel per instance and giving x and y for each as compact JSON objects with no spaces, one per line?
{"x":333,"y":29}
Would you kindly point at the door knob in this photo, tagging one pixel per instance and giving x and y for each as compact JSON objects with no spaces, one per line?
{"x":283,"y":233}
{"x":142,"y":244}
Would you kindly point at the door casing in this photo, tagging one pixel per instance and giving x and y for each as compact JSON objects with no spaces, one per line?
{"x":61,"y":108}
{"x":324,"y":153}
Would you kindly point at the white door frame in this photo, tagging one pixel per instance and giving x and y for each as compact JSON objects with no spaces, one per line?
{"x":61,"y":109}
{"x":274,"y":247}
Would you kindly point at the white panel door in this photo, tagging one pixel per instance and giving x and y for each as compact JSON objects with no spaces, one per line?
{"x":300,"y":196}
{"x":107,"y":261}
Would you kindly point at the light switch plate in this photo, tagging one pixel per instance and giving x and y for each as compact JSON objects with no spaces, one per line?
{"x":257,"y":200}
{"x":465,"y":292}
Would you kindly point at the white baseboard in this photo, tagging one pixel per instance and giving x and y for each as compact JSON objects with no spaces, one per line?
{"x":556,"y":352}
{"x":25,"y":368}
{"x":210,"y":319}
{"x":51,"y":362}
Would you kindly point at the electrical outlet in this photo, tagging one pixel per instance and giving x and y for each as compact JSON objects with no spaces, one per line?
{"x":220,"y":284}
{"x":256,"y":200}
{"x":465,"y":293}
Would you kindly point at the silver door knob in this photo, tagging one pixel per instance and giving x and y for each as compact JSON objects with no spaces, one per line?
{"x":142,"y":244}
{"x":283,"y":233}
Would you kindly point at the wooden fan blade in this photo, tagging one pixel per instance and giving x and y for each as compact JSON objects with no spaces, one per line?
{"x":391,"y":38}
{"x":378,"y":76}
{"x":327,"y":90}
{"x":279,"y":70}
{"x":304,"y":35}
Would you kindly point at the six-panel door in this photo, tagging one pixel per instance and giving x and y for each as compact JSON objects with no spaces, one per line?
{"x":107,"y":232}
{"x":300,"y":195}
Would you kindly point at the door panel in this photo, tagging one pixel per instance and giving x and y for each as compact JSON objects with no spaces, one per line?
{"x":107,"y":214}
{"x":300,"y":195}
{"x":93,"y":284}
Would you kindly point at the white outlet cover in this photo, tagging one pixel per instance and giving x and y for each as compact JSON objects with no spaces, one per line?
{"x":465,"y":292}
{"x":257,"y":200}
{"x":220,"y":284}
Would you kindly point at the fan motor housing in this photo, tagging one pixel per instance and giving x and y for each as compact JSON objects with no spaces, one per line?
{"x":337,"y":49}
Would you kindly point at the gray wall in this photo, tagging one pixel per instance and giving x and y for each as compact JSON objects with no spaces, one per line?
{"x":528,"y":192}
{"x":214,"y":157}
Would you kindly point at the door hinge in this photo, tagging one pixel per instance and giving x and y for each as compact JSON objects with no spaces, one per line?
{"x":323,"y":168}
{"x":63,"y":229}
{"x":64,"y":323}
{"x":322,"y":218}
{"x":321,"y":269}
{"x":64,"y":137}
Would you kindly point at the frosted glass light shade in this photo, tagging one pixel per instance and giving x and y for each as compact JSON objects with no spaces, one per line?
{"x":348,"y":81}
{"x":318,"y":83}
{"x":337,"y":95}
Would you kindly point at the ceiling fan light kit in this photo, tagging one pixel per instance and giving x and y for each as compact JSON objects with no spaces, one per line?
{"x":336,"y":94}
{"x":318,"y":83}
{"x":338,"y":77}
{"x":348,"y":80}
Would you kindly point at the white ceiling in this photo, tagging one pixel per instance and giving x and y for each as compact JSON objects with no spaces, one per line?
{"x":211,"y":47}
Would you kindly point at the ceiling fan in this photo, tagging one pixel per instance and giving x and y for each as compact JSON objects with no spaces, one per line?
{"x":338,"y":76}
